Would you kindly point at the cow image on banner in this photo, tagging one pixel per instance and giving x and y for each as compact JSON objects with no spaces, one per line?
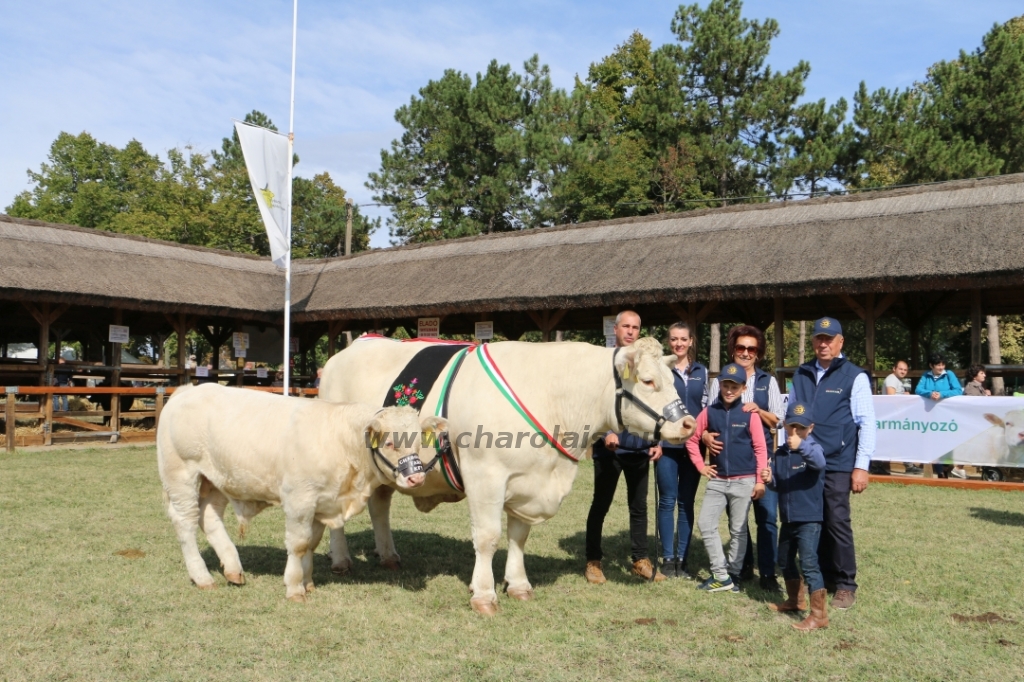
{"x":961,"y":430}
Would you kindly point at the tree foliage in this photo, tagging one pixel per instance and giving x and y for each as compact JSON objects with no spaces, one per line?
{"x":189,"y":198}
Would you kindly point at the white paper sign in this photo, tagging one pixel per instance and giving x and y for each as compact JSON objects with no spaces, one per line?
{"x":961,"y":430}
{"x":484,"y":331}
{"x":261,"y":372}
{"x":609,"y":341}
{"x":118,"y":334}
{"x":202,"y":372}
{"x":240,"y":341}
{"x":609,"y":325}
{"x":428,"y":327}
{"x":294,"y":345}
{"x":239,"y":352}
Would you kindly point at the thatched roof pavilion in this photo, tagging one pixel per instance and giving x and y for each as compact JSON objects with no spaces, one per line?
{"x":955,"y":247}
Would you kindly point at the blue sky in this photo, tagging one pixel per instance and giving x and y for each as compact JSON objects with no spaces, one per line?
{"x":172,"y":74}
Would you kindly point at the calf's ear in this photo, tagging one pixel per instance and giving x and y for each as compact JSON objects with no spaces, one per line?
{"x":374,"y":433}
{"x":994,"y":419}
{"x":625,"y":361}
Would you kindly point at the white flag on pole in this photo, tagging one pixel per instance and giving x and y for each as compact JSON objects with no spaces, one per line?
{"x":266,"y":159}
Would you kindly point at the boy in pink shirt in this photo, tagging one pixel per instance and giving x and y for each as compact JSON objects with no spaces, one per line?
{"x":734,"y":476}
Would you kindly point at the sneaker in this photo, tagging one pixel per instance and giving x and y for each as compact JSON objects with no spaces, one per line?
{"x":959,"y":473}
{"x":668,"y":568}
{"x":713,"y":584}
{"x":843,"y":600}
{"x":681,"y":571}
{"x":643,"y":568}
{"x":594,"y":574}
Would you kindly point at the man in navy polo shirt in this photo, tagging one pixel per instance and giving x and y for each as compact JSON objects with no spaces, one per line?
{"x":839,"y":393}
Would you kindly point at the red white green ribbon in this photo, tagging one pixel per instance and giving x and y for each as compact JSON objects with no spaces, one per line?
{"x":495,"y":375}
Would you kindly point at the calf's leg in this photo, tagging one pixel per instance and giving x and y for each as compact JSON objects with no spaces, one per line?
{"x":519,"y":586}
{"x":380,"y":514}
{"x":307,"y":558}
{"x":298,"y":539}
{"x":212,"y":503}
{"x":181,"y":492}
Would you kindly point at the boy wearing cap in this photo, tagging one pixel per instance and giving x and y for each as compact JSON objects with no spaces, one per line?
{"x":797,"y":473}
{"x":734,"y":475}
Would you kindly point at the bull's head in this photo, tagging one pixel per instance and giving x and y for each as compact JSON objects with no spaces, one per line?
{"x":1012,"y":425}
{"x":646,"y":376}
{"x":394,"y":437}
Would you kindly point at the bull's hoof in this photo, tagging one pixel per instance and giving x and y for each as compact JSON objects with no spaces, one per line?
{"x":298,"y":598}
{"x":235,"y":579}
{"x":392,"y":564}
{"x":310,"y":587}
{"x":520,"y":594}
{"x":342,"y":568}
{"x":485,"y":607}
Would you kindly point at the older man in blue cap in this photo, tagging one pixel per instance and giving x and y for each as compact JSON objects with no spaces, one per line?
{"x":844,"y":425}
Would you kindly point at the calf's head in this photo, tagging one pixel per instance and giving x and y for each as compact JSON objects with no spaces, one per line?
{"x":1012,"y":425}
{"x":646,"y":376}
{"x":395,"y":437}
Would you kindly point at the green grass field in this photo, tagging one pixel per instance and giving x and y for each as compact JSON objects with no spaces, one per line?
{"x":72,"y":607}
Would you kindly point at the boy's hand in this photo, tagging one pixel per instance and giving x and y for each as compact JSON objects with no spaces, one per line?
{"x":766,"y":475}
{"x":750,"y":407}
{"x":710,"y":471}
{"x":711,"y":442}
{"x":654,"y":452}
{"x":758,"y":491}
{"x":794,"y":441}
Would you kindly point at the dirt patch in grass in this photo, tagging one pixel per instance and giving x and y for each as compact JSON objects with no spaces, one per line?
{"x":130,"y":553}
{"x":988,"y":617}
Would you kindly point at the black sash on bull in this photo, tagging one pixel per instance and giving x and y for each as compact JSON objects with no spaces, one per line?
{"x":411,"y":388}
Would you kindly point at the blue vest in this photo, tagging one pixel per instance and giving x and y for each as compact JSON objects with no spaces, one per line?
{"x":834,"y":428}
{"x":801,"y":489}
{"x":691,"y":392}
{"x":733,"y":426}
{"x":762,"y":381}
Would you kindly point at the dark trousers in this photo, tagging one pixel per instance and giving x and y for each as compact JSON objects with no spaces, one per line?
{"x":835,"y":550}
{"x":801,"y":538}
{"x":766,"y":515}
{"x":606,"y":477}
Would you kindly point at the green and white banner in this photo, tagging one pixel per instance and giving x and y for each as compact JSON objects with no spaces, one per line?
{"x":962,"y":430}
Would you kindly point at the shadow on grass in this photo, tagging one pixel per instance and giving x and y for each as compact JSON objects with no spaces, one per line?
{"x":1003,"y":518}
{"x":424,"y":556}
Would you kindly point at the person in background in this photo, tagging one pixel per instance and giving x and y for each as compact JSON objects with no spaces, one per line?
{"x":676,"y":476}
{"x":622,"y":454}
{"x":893,"y":385}
{"x":734,"y":473}
{"x":62,"y":379}
{"x":761,"y":395}
{"x":319,"y":373}
{"x":939,"y":384}
{"x":839,"y":393}
{"x":976,"y":381}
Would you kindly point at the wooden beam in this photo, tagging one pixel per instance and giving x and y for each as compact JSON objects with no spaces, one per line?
{"x":884,"y":304}
{"x":976,"y":324}
{"x":854,"y":306}
{"x":780,"y":334}
{"x":9,"y":421}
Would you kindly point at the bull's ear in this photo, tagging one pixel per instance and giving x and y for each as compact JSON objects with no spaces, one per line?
{"x":670,"y":361}
{"x":431,"y":426}
{"x":625,"y":362}
{"x":994,"y":419}
{"x":374,"y":433}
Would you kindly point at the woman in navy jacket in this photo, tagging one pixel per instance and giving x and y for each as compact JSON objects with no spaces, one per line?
{"x":676,"y":477}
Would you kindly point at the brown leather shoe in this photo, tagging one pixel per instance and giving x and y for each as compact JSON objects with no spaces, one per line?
{"x":818,"y":617}
{"x":644,"y":569}
{"x":594,"y":574}
{"x":796,"y":597}
{"x":843,"y":600}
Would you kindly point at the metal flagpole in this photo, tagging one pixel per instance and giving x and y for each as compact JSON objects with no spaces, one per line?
{"x":288,"y":213}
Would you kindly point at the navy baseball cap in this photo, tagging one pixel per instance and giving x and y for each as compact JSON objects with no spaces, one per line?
{"x":829,"y":326}
{"x":733,"y":372}
{"x":799,"y":413}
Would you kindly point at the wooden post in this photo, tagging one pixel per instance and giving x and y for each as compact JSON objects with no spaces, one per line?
{"x":995,"y":354}
{"x":115,"y":414}
{"x":48,"y":419}
{"x":546,"y":321}
{"x":115,"y":359}
{"x":976,"y":324}
{"x":869,"y":337}
{"x":44,"y":344}
{"x":9,"y":413}
{"x":780,"y":337}
{"x":160,"y":390}
{"x":348,"y":228}
{"x":803,"y":343}
{"x":715,"y":361}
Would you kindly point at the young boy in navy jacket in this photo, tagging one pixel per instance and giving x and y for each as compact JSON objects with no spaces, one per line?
{"x":735,"y":476}
{"x":797,"y":472}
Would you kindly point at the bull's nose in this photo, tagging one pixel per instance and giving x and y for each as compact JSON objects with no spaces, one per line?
{"x":416,"y":480}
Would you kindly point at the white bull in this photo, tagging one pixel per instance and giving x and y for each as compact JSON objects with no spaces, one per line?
{"x":315,"y":459}
{"x":568,"y":385}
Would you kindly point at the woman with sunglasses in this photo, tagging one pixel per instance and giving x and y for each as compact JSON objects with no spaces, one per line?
{"x":675,"y":474}
{"x":746,"y":348}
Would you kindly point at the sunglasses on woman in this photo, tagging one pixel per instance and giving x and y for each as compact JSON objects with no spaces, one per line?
{"x":745,"y":349}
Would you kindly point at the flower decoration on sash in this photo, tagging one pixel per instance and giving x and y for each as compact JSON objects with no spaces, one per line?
{"x":407,"y":394}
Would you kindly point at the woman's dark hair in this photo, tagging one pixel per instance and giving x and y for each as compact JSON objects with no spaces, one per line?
{"x":936,"y":359}
{"x":745,"y":330}
{"x":972,"y":371}
{"x":692,"y":353}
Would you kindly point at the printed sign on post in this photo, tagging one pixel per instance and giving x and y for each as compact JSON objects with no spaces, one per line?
{"x":261,"y":372}
{"x":118,"y":334}
{"x":609,"y":341}
{"x":428,"y":327}
{"x":294,"y":345}
{"x":484,"y":331}
{"x":202,"y":372}
{"x":609,"y":325}
{"x":239,"y":352}
{"x":240,"y":341}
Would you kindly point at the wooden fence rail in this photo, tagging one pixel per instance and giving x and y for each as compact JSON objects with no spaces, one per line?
{"x":41,"y":409}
